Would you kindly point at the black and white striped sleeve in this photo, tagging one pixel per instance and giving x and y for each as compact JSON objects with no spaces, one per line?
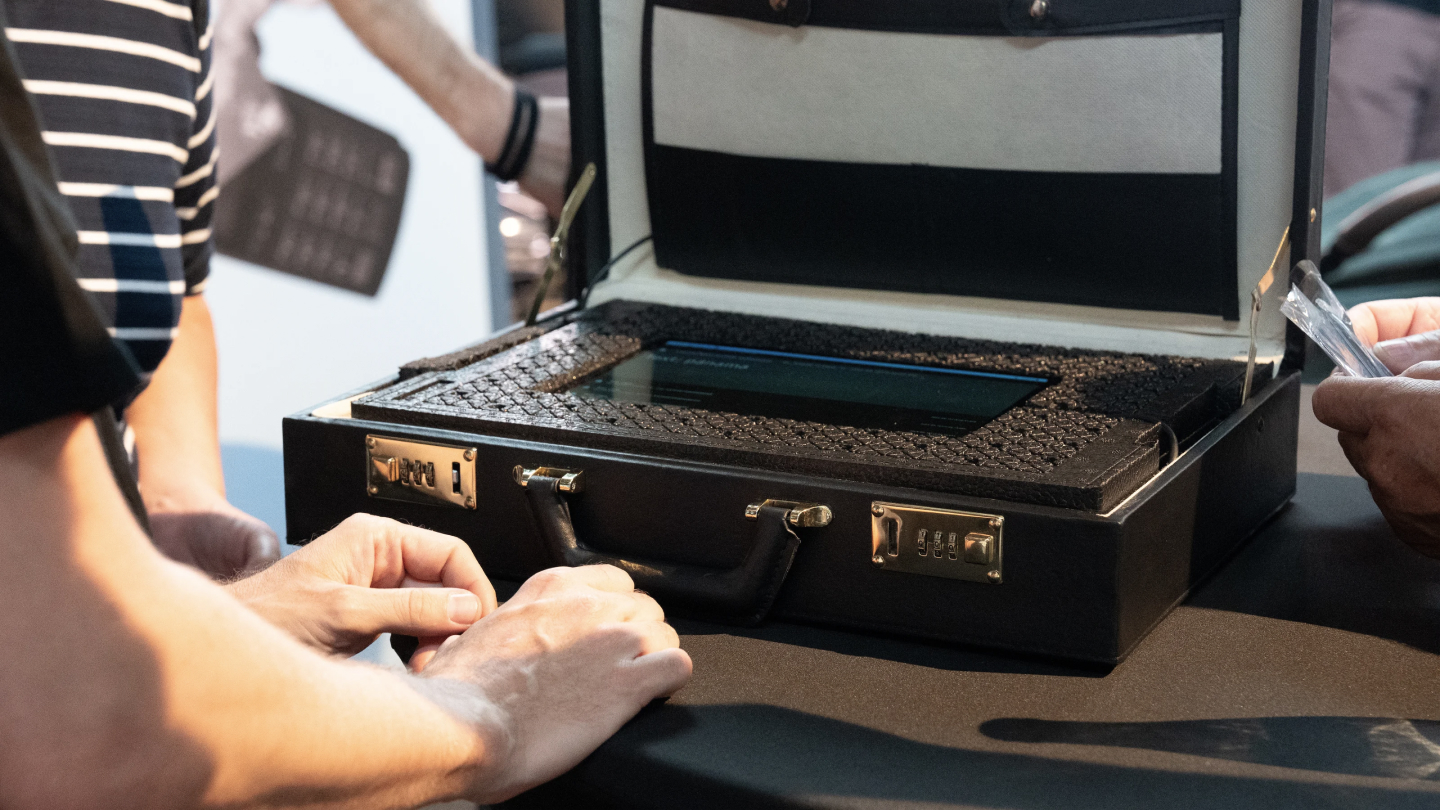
{"x":197,"y":189}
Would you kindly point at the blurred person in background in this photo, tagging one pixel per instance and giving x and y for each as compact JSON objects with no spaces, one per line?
{"x":1384,"y":102}
{"x":520,"y":136}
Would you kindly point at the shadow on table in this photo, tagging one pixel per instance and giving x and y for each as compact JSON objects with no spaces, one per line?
{"x":1359,"y":746}
{"x":934,"y":655}
{"x":763,"y":756}
{"x":1332,"y":561}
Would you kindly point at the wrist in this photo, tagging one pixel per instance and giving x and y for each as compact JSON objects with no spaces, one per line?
{"x":181,"y":493}
{"x":250,"y":590}
{"x":492,"y":726}
{"x":519,"y":138}
{"x":484,"y":113}
{"x":548,"y":170}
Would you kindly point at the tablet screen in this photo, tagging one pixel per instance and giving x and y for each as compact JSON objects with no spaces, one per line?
{"x":812,"y":388}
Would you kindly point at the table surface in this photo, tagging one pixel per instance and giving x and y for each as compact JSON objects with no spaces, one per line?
{"x":1305,"y":674}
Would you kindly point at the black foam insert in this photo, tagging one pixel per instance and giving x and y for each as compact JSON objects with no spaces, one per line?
{"x":1084,"y":442}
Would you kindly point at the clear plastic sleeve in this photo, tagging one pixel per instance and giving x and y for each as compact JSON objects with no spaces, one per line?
{"x":1312,"y":306}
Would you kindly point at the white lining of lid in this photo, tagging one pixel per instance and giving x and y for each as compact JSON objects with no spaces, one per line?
{"x":1147,"y":104}
{"x":1269,"y":65}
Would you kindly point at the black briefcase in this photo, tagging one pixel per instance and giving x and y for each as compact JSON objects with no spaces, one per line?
{"x":954,"y":319}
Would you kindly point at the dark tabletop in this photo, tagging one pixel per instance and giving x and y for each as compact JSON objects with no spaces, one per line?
{"x":1305,"y":674}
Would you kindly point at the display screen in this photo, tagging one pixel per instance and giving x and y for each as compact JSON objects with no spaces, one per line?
{"x":831,"y":390}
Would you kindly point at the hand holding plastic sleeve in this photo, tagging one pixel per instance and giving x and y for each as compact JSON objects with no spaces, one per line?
{"x":1402,"y":331}
{"x":1312,"y":306}
{"x":1390,"y":431}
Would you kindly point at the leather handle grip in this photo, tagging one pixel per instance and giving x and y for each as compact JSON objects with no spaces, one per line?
{"x":741,"y":595}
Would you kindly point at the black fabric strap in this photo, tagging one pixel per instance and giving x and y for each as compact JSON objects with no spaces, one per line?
{"x":1012,"y":17}
{"x":519,"y":140}
{"x":113,"y":443}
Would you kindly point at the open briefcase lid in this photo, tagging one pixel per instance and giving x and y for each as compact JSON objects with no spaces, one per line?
{"x":1103,"y":174}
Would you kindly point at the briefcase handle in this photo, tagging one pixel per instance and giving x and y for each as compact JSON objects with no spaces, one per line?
{"x":743,"y":594}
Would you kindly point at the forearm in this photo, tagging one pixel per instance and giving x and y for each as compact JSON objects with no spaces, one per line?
{"x":131,"y":681}
{"x":175,"y":419}
{"x":471,"y":96}
{"x":286,"y":727}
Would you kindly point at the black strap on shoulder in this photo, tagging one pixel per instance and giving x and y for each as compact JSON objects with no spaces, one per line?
{"x":119,"y":462}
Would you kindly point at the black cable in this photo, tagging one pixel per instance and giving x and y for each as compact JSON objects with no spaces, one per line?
{"x":605,"y":269}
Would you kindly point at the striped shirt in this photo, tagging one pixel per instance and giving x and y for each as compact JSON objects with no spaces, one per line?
{"x":124,"y":93}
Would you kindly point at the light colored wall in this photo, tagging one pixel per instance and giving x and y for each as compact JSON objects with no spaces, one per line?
{"x":286,"y":343}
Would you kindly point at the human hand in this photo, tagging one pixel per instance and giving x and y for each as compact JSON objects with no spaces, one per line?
{"x":554,"y":672}
{"x":368,"y":576}
{"x":1403,"y":332}
{"x":1390,"y":428}
{"x":548,"y":170}
{"x":210,"y":534}
{"x":1390,"y":431}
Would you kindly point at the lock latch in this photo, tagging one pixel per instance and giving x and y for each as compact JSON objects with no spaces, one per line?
{"x":420,"y":472}
{"x":937,"y":542}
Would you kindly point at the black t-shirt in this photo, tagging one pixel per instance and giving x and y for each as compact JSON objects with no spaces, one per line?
{"x":56,"y":357}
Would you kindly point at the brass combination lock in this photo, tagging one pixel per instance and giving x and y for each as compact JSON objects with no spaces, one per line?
{"x":937,"y":542}
{"x":420,"y":472}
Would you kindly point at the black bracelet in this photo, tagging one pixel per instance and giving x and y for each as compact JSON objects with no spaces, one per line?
{"x":519,"y":140}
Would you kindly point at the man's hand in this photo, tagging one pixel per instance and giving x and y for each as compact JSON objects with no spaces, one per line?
{"x":1390,"y":428}
{"x":178,"y":446}
{"x":554,"y":672}
{"x":1402,"y":331}
{"x":196,"y":526}
{"x":217,"y":538}
{"x":368,"y":576}
{"x":470,"y":94}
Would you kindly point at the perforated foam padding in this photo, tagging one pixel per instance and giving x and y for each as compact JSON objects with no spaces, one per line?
{"x":1084,"y":442}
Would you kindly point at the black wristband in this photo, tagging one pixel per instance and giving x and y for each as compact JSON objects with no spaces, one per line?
{"x":519,"y":140}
